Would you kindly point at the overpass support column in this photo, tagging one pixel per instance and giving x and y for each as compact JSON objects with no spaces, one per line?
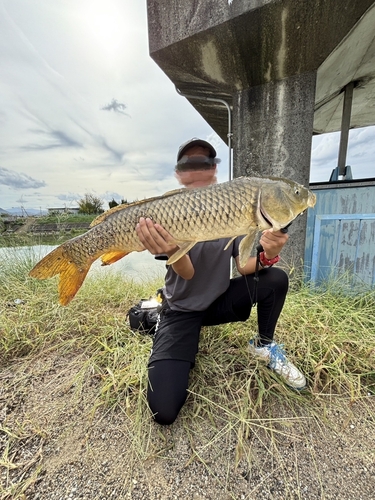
{"x":272,"y":136}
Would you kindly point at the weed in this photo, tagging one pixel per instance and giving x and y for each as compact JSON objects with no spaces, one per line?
{"x":329,"y":335}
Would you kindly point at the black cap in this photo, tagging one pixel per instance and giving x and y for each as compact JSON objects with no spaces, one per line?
{"x":195,"y":142}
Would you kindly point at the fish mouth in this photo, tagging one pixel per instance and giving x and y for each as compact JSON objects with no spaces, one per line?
{"x":311,"y":199}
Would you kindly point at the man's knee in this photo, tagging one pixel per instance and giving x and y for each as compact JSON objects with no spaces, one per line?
{"x":164,"y":416}
{"x":167,"y":389}
{"x":279,"y":278}
{"x":164,"y":409}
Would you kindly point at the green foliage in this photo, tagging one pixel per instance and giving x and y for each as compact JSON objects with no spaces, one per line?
{"x":113,"y":203}
{"x":90,"y":204}
{"x":330,"y":341}
{"x":65,"y":218}
{"x":231,"y":395}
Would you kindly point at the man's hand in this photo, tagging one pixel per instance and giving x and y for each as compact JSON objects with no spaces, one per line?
{"x":273,"y":242}
{"x":157,"y":241}
{"x":155,"y":238}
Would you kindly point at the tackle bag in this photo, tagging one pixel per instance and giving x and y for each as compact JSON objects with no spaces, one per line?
{"x":144,"y":315}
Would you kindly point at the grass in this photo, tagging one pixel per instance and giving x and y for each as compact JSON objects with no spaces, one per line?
{"x":14,"y":239}
{"x":329,"y":335}
{"x":65,"y":218}
{"x":29,"y":240}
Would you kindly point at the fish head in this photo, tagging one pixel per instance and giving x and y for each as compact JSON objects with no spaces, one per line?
{"x":281,"y":201}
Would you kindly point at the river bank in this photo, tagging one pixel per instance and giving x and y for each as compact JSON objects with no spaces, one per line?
{"x":21,"y":231}
{"x":74,"y":420}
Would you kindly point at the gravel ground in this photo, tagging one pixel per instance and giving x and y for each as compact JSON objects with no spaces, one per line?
{"x":54,"y":446}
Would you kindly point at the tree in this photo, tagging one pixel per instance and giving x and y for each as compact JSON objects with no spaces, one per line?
{"x":113,"y":203}
{"x":90,"y":204}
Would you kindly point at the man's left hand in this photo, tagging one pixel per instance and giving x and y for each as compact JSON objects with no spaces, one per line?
{"x":273,"y":242}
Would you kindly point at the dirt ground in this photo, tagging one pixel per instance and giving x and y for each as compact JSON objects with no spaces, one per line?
{"x":54,"y":446}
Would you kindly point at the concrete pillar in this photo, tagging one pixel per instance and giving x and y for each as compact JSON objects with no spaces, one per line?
{"x":272,"y":131}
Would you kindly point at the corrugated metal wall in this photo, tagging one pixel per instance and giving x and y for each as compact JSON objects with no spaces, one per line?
{"x":340,"y":235}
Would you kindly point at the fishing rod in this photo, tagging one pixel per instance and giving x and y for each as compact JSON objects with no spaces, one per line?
{"x":260,"y":249}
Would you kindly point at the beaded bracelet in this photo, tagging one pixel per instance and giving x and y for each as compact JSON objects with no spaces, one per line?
{"x":264,"y":262}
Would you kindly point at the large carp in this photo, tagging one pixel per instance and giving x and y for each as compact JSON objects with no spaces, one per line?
{"x":242,"y":206}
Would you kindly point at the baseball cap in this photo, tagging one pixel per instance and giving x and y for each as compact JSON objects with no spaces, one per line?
{"x":195,"y":142}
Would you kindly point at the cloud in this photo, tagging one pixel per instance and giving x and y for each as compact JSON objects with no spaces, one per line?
{"x":117,"y":107}
{"x":62,"y":64}
{"x":360,"y":154}
{"x":117,"y":154}
{"x":53,"y":139}
{"x":112,"y":195}
{"x":68,"y":197}
{"x":17,"y":180}
{"x":325,"y":148}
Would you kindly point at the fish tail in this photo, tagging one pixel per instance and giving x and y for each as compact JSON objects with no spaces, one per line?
{"x":71,"y":274}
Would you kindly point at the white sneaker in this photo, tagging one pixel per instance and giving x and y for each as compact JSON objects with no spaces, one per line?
{"x":275,"y":355}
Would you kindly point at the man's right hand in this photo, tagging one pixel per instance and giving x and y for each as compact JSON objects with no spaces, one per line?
{"x":155,"y":238}
{"x":158,"y":241}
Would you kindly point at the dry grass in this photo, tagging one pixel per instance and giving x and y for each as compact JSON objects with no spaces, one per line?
{"x":329,"y":335}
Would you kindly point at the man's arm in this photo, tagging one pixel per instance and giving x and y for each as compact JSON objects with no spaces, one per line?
{"x":272,"y":243}
{"x":158,"y":241}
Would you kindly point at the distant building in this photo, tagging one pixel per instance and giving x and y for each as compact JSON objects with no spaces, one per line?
{"x":63,"y":210}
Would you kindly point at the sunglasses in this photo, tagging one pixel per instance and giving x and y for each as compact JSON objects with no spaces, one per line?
{"x":197,"y":162}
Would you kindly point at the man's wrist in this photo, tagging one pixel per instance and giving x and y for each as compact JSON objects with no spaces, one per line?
{"x":265,"y":262}
{"x":268,"y":256}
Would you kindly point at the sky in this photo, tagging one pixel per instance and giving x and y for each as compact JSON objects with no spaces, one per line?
{"x":84,"y":109}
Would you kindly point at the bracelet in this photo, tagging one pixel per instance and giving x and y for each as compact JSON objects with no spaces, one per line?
{"x":264,"y":262}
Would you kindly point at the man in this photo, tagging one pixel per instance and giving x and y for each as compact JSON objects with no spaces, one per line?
{"x":199,"y":292}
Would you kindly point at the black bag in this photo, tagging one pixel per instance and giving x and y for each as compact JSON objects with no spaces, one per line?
{"x":143,"y":319}
{"x":144,"y":315}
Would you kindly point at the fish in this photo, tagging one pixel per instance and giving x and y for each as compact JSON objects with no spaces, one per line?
{"x":240,"y":207}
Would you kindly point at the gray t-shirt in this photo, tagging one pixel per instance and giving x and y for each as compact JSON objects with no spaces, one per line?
{"x":211,"y":278}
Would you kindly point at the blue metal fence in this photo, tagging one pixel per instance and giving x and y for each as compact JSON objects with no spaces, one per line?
{"x":340,"y":235}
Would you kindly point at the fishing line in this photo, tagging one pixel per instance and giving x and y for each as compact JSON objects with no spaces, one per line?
{"x":254,"y":296}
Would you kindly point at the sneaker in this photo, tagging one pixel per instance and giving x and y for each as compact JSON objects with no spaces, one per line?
{"x":275,"y":355}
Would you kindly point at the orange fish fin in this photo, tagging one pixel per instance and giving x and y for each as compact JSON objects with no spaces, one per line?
{"x":71,"y":279}
{"x":111,"y":257}
{"x":71,"y":275}
{"x":50,"y":265}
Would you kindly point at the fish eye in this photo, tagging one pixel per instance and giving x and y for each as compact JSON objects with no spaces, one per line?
{"x":296,"y":191}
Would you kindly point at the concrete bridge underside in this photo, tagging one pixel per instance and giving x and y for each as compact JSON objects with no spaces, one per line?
{"x":281,"y":65}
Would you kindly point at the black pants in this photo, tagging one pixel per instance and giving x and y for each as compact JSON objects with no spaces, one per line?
{"x":177,"y":336}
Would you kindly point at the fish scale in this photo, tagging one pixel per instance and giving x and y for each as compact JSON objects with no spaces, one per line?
{"x":239,"y":207}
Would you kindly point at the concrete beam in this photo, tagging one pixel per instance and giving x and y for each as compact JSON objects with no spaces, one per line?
{"x":216,"y":48}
